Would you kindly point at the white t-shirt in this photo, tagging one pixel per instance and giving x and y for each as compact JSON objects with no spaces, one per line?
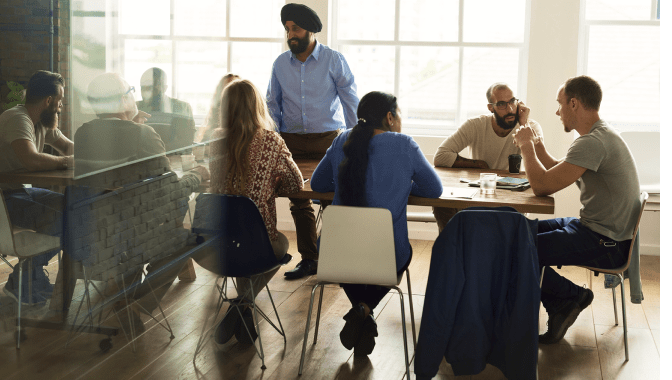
{"x":15,"y":124}
{"x":483,"y":143}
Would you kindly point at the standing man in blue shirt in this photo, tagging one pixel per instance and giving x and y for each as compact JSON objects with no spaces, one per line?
{"x":311,"y":96}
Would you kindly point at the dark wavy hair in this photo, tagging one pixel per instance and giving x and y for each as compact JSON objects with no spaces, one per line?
{"x":372,"y":112}
{"x":586,"y":90}
{"x":43,"y":84}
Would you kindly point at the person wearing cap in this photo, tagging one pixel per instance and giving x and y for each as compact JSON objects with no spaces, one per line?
{"x":24,"y":131}
{"x":489,"y":138}
{"x":120,"y":136}
{"x":311,"y":96}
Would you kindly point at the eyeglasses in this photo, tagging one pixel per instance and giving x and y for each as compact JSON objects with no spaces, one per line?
{"x":132,"y":89}
{"x":504,"y":105}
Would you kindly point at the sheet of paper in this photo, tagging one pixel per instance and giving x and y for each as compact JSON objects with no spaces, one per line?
{"x":459,"y":192}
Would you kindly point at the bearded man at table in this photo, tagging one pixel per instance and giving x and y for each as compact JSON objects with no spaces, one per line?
{"x":311,"y":96}
{"x":489,"y":138}
{"x":24,"y":130}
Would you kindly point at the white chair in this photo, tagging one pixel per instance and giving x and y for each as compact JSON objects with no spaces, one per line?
{"x":23,"y":244}
{"x":357,"y":247}
{"x":619,"y":272}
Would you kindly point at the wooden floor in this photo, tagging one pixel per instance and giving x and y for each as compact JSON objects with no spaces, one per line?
{"x":592,"y":349}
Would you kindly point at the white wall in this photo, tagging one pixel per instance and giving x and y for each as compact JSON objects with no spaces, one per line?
{"x":553,"y":57}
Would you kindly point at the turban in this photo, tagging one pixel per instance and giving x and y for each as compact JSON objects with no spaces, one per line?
{"x":302,"y":16}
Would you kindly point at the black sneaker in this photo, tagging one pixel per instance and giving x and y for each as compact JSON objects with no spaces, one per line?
{"x":242,"y":332}
{"x":559,"y":322}
{"x":367,"y":341}
{"x":227,"y":327}
{"x":354,"y":320}
{"x":305,"y":267}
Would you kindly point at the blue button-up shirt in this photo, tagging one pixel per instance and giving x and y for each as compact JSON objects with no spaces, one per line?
{"x":315,"y":96}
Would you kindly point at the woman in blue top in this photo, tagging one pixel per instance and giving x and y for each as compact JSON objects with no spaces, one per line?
{"x":374,"y":165}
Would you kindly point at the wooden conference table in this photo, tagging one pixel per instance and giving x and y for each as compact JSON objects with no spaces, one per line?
{"x":523,"y":201}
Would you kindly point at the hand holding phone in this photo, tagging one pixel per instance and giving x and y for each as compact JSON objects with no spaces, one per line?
{"x":523,"y":113}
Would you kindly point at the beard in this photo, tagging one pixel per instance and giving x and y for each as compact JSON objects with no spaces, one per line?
{"x":49,"y":118}
{"x":301,"y":46}
{"x":501,"y":121}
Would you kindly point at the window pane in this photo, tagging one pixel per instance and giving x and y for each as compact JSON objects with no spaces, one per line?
{"x":149,"y":17}
{"x":482,"y":68}
{"x":140,"y":55}
{"x":618,"y":9}
{"x":429,"y":20}
{"x":494,"y":21}
{"x":256,"y":18}
{"x":428,"y":85}
{"x":626,"y":62}
{"x":206,"y":18}
{"x":200,"y":66}
{"x":366,"y":20}
{"x":254,"y":60}
{"x":372,"y":66}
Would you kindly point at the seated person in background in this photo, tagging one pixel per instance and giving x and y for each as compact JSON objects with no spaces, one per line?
{"x":489,"y":138}
{"x":24,"y":130}
{"x":166,"y":110}
{"x":118,"y":136}
{"x":211,"y":121}
{"x":375,"y":165}
{"x":600,"y":164}
{"x":249,"y":158}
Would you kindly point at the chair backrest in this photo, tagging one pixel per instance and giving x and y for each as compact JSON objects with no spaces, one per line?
{"x":357,"y":246}
{"x":645,"y":148}
{"x":6,"y":236}
{"x":245,"y":248}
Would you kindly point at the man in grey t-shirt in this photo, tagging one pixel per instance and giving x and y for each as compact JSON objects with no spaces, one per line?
{"x":24,"y":130}
{"x":600,"y":164}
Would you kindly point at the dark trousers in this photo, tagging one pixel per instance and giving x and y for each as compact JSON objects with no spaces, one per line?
{"x":306,"y":146}
{"x":40,"y":210}
{"x":371,"y":295}
{"x":565,"y":241}
{"x":443,"y":216}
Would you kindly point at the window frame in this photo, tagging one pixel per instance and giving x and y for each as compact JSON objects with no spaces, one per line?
{"x":412,"y":127}
{"x":584,"y":39}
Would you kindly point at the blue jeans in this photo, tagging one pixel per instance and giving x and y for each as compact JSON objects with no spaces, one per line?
{"x":565,"y":241}
{"x":40,"y":210}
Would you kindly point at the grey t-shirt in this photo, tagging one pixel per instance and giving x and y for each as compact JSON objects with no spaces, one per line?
{"x":15,"y":124}
{"x":610,"y":186}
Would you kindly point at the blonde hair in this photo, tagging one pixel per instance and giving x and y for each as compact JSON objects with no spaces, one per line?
{"x":243,"y":114}
{"x":211,"y":121}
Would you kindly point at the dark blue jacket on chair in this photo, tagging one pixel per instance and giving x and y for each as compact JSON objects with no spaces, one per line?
{"x":482,"y":297}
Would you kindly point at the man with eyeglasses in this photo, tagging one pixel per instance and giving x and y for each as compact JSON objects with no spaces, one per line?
{"x":24,"y":131}
{"x":116,"y":137}
{"x":489,"y":138}
{"x":311,"y":96}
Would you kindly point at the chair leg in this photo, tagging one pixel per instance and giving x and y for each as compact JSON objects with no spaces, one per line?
{"x":220,"y":302}
{"x":613,"y":295}
{"x":30,"y":281}
{"x":410,"y":303}
{"x":18,"y":317}
{"x":305,"y":335}
{"x":317,"y":319}
{"x":625,"y":322}
{"x":282,"y":330}
{"x":256,"y":325}
{"x":403,"y":328}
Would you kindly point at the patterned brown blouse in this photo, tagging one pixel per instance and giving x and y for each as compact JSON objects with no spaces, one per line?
{"x":269,"y":159}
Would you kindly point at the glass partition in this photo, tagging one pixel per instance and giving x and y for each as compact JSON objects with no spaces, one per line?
{"x":171,"y":56}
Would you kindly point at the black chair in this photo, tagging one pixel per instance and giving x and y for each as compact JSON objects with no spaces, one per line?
{"x":237,"y":231}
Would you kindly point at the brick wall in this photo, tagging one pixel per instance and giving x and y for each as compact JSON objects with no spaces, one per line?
{"x":116,"y":232}
{"x":24,"y":44}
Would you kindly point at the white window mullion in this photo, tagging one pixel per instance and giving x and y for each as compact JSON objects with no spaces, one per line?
{"x":397,"y":49}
